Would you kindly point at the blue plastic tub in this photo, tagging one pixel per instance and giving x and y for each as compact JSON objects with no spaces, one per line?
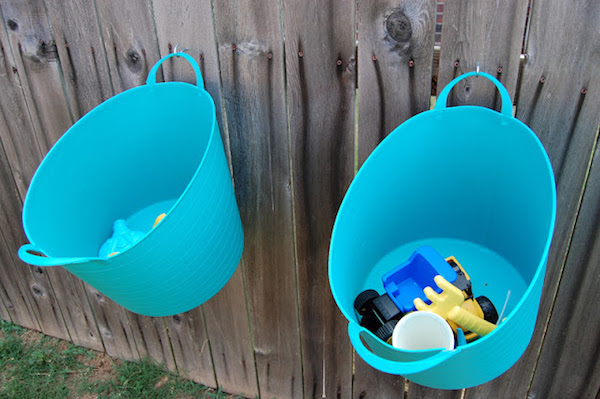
{"x":472,"y":183}
{"x":150,"y":150}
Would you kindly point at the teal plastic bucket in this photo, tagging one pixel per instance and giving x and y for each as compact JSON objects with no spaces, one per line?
{"x":150,"y":150}
{"x":470,"y":182}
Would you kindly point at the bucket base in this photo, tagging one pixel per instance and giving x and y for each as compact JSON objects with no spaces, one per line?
{"x":143,"y":219}
{"x":490,"y":273}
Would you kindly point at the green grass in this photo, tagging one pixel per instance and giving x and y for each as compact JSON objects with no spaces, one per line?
{"x":38,"y":367}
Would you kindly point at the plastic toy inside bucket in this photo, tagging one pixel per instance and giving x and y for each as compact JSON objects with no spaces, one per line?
{"x":150,"y":150}
{"x":471,"y":183}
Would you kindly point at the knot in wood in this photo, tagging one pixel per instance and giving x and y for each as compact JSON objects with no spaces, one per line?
{"x":132,"y":59}
{"x":46,"y":51}
{"x":37,"y":290}
{"x":398,"y":26}
{"x":12,"y":24}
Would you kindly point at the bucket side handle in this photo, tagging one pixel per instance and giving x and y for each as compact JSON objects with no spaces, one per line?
{"x":442,"y":100}
{"x":152,"y":74}
{"x":31,"y":254}
{"x":390,"y":366}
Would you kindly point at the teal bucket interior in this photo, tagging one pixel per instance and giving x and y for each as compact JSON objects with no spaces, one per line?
{"x":472,"y":183}
{"x":150,"y":150}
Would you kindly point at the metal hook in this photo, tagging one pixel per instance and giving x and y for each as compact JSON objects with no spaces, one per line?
{"x":181,"y":51}
{"x":477,"y":68}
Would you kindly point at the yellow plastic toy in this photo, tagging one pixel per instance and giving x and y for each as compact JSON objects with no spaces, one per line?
{"x":450,"y":305}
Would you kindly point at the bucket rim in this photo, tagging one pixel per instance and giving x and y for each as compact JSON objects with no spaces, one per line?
{"x":48,"y":158}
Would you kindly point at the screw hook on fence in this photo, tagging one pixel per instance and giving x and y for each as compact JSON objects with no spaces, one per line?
{"x":175,"y":51}
{"x":477,"y":68}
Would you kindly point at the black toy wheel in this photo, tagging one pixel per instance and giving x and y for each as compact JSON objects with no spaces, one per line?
{"x":489,"y":310}
{"x":385,"y":332}
{"x":363,"y":299}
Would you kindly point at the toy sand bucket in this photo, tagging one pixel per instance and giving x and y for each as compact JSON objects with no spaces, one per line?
{"x":150,"y":150}
{"x":472,"y":183}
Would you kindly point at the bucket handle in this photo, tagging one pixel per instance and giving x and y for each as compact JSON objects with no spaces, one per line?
{"x":442,"y":100}
{"x":390,"y":366}
{"x":31,"y":254}
{"x":152,"y":74}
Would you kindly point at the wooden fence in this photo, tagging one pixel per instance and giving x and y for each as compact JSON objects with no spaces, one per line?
{"x":305,"y":89}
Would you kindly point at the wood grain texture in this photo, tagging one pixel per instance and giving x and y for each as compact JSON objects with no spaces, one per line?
{"x":114,"y":326}
{"x":130,"y":42}
{"x":36,"y":58}
{"x":13,"y":291}
{"x":81,"y":52}
{"x":75,"y":307}
{"x":230,"y":340}
{"x":321,"y":85}
{"x":569,"y":363}
{"x":370,"y":383}
{"x":190,"y":25}
{"x":4,"y":314}
{"x":416,"y":391}
{"x":253,"y":84}
{"x":191,"y":347}
{"x":487,"y":32}
{"x":395,"y":51}
{"x":152,"y":339}
{"x":17,"y":132}
{"x":560,"y":101}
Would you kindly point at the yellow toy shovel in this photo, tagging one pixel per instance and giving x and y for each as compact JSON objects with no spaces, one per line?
{"x":448,"y":304}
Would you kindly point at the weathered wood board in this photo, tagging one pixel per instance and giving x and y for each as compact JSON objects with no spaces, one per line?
{"x":560,"y":101}
{"x":486,"y":33}
{"x":395,"y":51}
{"x":321,"y":85}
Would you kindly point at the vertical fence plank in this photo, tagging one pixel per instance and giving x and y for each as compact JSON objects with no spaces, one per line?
{"x":230,"y":340}
{"x":114,"y":326}
{"x":14,"y":291}
{"x":560,"y":102}
{"x":81,"y":51}
{"x":130,"y":43}
{"x":42,"y":82}
{"x":253,"y":82}
{"x":36,"y":58}
{"x":321,"y":84}
{"x":486,"y":32}
{"x":190,"y":25}
{"x":395,"y":51}
{"x":152,"y":339}
{"x":191,"y":347}
{"x":227,"y":318}
{"x":569,"y":363}
{"x":26,"y":67}
{"x":17,"y":132}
